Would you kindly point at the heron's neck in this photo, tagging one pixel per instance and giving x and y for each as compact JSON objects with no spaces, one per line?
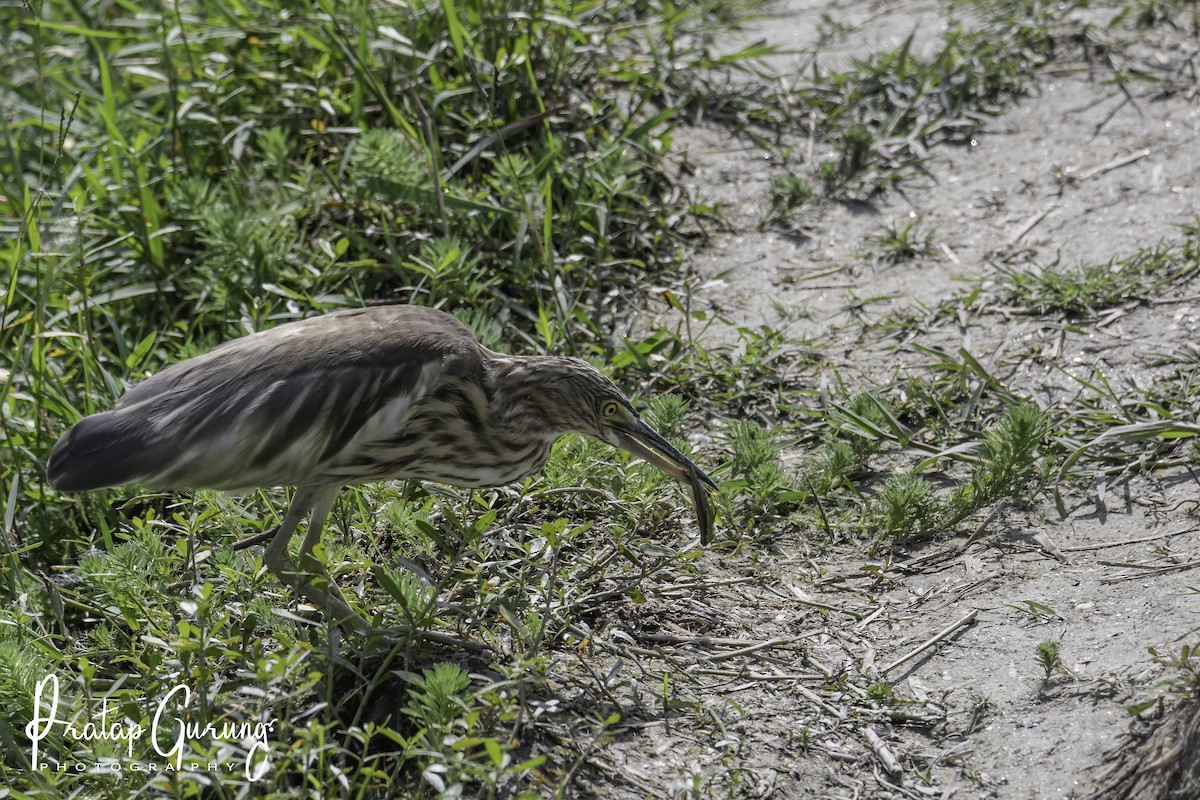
{"x":517,"y":389}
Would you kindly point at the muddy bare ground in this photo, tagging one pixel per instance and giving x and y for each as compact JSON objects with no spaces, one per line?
{"x":1076,"y":171}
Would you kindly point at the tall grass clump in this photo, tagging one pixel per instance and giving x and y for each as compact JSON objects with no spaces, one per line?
{"x":1006,"y":462}
{"x":173,"y":175}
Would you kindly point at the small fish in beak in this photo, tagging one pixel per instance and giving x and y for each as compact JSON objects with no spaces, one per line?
{"x":644,"y":442}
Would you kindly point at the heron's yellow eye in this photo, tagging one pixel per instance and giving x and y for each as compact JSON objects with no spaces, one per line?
{"x":609,"y":409}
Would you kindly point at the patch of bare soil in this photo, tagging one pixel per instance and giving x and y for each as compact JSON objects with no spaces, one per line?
{"x":779,"y":651}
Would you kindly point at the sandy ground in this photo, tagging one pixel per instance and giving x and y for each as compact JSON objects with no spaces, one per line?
{"x":1073,"y":172}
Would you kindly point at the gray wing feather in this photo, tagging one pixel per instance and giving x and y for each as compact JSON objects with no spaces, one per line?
{"x":269,"y":409}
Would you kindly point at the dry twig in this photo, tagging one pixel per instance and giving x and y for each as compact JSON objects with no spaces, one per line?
{"x":882,"y":751}
{"x":942,"y":634}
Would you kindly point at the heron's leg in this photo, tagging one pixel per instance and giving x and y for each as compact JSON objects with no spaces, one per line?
{"x":335,"y":601}
{"x":316,"y":525}
{"x":319,"y":501}
{"x":276,"y":555}
{"x":321,"y":506}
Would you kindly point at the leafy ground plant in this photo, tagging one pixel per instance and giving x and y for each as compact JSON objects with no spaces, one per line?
{"x":224,"y":169}
{"x":1085,"y":290}
{"x":901,"y":243}
{"x":1159,"y":759}
{"x":172,"y":178}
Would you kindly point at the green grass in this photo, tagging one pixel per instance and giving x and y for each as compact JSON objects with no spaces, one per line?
{"x":1084,"y":290}
{"x":896,"y":244}
{"x":172,"y":180}
{"x":883,"y":113}
{"x":789,"y":193}
{"x":1163,"y":721}
{"x":1003,"y":463}
{"x":1115,"y":427}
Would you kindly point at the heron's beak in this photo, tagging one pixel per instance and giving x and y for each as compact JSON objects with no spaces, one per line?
{"x":644,"y":442}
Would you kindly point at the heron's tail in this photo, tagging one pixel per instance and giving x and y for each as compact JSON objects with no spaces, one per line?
{"x":96,"y":453}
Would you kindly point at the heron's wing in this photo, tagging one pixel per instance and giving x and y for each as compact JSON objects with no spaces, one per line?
{"x":269,"y":409}
{"x":277,"y":430}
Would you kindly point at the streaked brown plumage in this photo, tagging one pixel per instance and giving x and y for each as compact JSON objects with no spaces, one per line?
{"x":395,"y":392}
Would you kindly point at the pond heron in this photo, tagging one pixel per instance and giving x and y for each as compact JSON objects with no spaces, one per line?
{"x":350,"y":397}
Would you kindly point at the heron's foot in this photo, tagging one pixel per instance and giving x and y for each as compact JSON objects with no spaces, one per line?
{"x":326,"y":596}
{"x":336,"y":607}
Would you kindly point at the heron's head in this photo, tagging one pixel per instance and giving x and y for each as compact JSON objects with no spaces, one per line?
{"x":574,"y":397}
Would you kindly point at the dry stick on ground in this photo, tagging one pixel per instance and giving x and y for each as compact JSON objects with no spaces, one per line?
{"x":1028,"y":225}
{"x":707,"y":641}
{"x":728,"y":654}
{"x":942,"y":556}
{"x":759,"y":677}
{"x":882,"y":751}
{"x":802,"y":598}
{"x":691,"y":586}
{"x":1168,"y":301}
{"x":628,"y":651}
{"x":812,"y":697}
{"x":1123,"y":542}
{"x":1000,"y":507}
{"x":1049,"y":546}
{"x":1149,"y":572}
{"x":942,"y":634}
{"x":867,"y":620}
{"x":1114,"y":164}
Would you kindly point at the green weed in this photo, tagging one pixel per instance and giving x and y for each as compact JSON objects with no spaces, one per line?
{"x":1087,"y":289}
{"x":892,"y":106}
{"x":1006,"y":460}
{"x":171,"y":179}
{"x":758,"y":479}
{"x":1048,"y":659}
{"x":898,"y":244}
{"x":789,"y":193}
